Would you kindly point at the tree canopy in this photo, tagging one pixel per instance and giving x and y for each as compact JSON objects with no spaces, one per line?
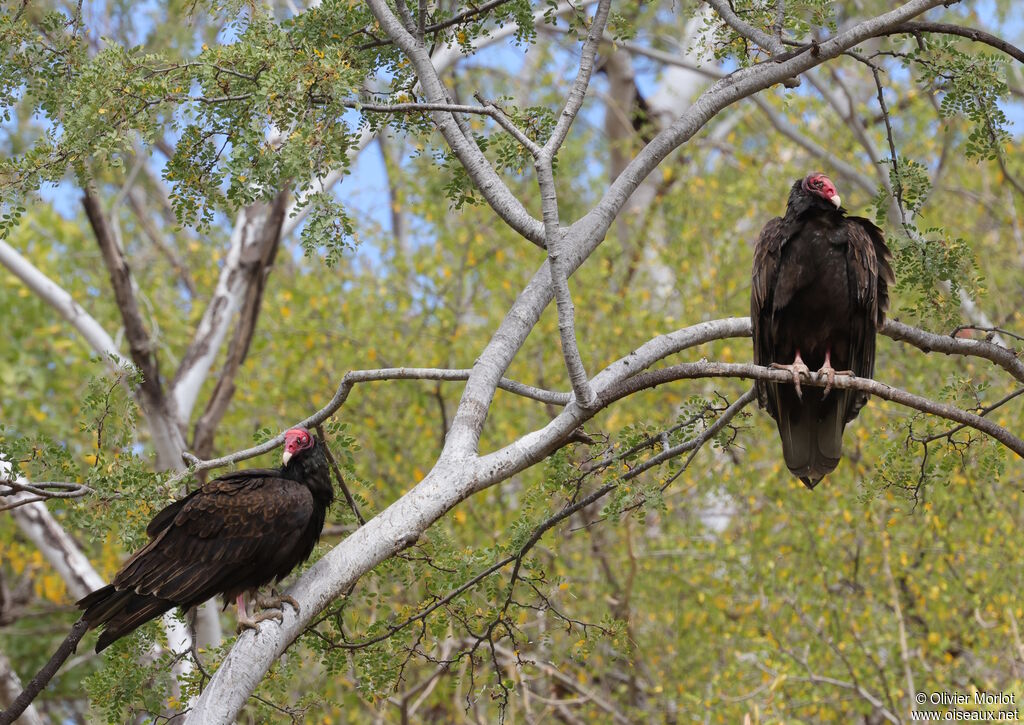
{"x":498,"y":255}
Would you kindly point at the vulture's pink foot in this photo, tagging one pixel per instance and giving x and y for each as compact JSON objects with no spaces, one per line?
{"x":830,"y":374}
{"x":797,"y":369}
{"x":275,"y":600}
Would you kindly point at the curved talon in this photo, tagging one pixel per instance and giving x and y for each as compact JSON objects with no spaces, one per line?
{"x":798,"y":368}
{"x":275,"y":600}
{"x":830,"y":374}
{"x":253,"y":622}
{"x":271,"y":607}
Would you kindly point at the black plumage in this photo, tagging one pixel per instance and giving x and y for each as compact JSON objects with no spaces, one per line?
{"x":228,"y":537}
{"x":819,"y":294}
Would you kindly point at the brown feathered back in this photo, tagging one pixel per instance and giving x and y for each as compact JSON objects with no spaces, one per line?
{"x":820,"y":283}
{"x":234,"y":534}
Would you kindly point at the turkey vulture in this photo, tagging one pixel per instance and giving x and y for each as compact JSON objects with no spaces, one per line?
{"x":228,"y":537}
{"x":819,"y":293}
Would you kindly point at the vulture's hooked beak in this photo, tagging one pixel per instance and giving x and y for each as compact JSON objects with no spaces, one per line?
{"x":836,"y":200}
{"x":286,"y":456}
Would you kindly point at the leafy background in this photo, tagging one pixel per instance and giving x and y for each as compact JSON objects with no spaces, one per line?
{"x":735,"y":594}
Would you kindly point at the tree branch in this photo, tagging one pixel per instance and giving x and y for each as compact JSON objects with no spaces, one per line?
{"x":563,"y":297}
{"x":844,"y":382}
{"x":248,"y":241}
{"x":341,"y":395}
{"x":493,"y":189}
{"x":979,"y":36}
{"x":584,"y":236}
{"x":255,"y":270}
{"x":773,"y":45}
{"x":141,"y":347}
{"x":574,"y":101}
{"x":63,"y":303}
{"x":37,"y":683}
{"x":948,"y":345}
{"x":10,"y":686}
{"x":41,"y":491}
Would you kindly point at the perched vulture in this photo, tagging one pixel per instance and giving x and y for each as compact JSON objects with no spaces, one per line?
{"x":820,"y":291}
{"x":228,"y":537}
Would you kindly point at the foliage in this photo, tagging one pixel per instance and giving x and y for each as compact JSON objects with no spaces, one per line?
{"x":707,"y":584}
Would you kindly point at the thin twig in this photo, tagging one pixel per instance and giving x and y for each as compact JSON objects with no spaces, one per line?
{"x":430,"y":29}
{"x":546,"y":525}
{"x":337,"y":474}
{"x":772,"y":45}
{"x":979,"y":36}
{"x":45,"y":674}
{"x":706,"y":369}
{"x":341,"y":395}
{"x":544,"y":165}
{"x":984,"y":411}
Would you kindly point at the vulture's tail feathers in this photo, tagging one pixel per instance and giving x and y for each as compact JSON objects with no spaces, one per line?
{"x":119,"y":612}
{"x":811,"y":431}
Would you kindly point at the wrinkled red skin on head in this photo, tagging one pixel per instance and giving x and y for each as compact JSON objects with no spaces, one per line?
{"x":297,"y":439}
{"x":820,"y":185}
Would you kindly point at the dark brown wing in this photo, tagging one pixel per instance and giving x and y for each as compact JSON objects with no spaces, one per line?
{"x":870,"y":274}
{"x":226,"y":537}
{"x":765,"y":272}
{"x":233,"y":534}
{"x":167,"y":514}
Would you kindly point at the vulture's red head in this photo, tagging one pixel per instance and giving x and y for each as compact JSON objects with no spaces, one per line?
{"x":820,"y":185}
{"x":296,"y":440}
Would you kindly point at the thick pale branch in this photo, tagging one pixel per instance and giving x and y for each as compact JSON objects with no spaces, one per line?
{"x":574,"y":101}
{"x":256,"y":269}
{"x":979,"y":36}
{"x":584,"y":236}
{"x":483,"y":175}
{"x":707,"y":369}
{"x":764,"y":40}
{"x":341,"y":395}
{"x":63,"y":303}
{"x":456,"y":478}
{"x":947,"y":344}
